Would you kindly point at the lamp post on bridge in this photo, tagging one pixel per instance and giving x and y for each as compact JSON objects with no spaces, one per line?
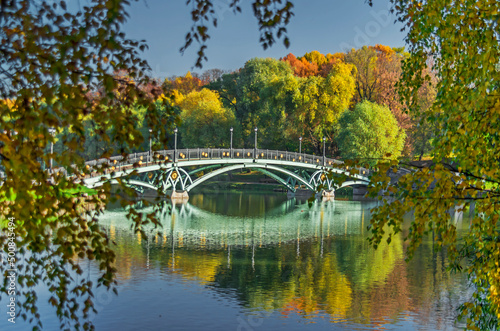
{"x":231,"y":146}
{"x":255,"y":146}
{"x":324,"y":149}
{"x":52,"y":131}
{"x":300,"y":145}
{"x":150,"y":156}
{"x":175,"y":143}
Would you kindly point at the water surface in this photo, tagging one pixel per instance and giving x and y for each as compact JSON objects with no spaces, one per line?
{"x":263,"y":262}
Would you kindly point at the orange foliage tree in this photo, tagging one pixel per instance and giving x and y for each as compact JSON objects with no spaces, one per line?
{"x":302,"y":67}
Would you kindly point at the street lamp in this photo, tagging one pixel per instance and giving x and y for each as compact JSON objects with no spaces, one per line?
{"x":52,"y":131}
{"x":150,"y":156}
{"x":175,"y":143}
{"x":324,"y":148}
{"x":255,"y":146}
{"x":300,"y":145}
{"x":231,"y":148}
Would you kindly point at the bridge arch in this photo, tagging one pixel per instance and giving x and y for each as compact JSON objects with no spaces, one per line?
{"x":181,"y":178}
{"x":354,"y":182}
{"x":130,"y":183}
{"x":188,"y":184}
{"x":261,"y":167}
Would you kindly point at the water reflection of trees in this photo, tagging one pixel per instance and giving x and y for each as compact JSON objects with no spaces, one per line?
{"x":236,"y":204}
{"x":337,"y":276}
{"x":281,"y":278}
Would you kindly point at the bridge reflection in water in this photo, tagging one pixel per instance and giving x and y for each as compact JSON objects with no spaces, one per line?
{"x":188,"y":225}
{"x":289,"y":261}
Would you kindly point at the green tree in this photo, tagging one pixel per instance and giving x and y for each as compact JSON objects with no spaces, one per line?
{"x":266,"y":94}
{"x":319,"y":102}
{"x":256,"y":84}
{"x":462,"y":38}
{"x":227,"y":87}
{"x":369,"y":132}
{"x":205,"y":122}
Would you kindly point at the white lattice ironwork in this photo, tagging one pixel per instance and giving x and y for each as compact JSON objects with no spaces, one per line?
{"x":292,"y":170}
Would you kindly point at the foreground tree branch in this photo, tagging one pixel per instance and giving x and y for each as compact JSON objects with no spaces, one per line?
{"x":58,"y":73}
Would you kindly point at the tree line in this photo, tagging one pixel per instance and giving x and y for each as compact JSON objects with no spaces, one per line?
{"x":349,"y":98}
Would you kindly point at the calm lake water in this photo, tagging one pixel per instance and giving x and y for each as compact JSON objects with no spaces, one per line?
{"x":263,"y":262}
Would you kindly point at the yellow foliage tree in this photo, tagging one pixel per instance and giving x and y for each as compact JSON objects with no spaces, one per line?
{"x":206,"y":122}
{"x":462,"y":40}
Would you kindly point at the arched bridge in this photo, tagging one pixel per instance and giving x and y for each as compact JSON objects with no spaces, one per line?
{"x":184,"y":169}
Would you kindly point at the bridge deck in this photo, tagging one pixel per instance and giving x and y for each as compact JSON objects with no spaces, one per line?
{"x":119,"y":166}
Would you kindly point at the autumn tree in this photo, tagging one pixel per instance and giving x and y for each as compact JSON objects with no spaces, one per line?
{"x":53,"y":60}
{"x":463,"y":41}
{"x":335,"y":57}
{"x":388,"y":70}
{"x":379,"y":70}
{"x":365,"y":61}
{"x":316,"y":58}
{"x":205,"y":122}
{"x":319,"y":102}
{"x":302,"y":67}
{"x":313,"y":63}
{"x":184,"y":84}
{"x":332,"y":59}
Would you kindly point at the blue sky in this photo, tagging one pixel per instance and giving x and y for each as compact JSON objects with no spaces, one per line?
{"x":327,"y":26}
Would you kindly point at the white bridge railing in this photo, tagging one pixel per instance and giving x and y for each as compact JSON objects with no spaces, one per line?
{"x":191,"y":154}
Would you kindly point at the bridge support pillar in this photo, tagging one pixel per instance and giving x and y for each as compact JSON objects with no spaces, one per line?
{"x":327,"y":195}
{"x":178,"y":196}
